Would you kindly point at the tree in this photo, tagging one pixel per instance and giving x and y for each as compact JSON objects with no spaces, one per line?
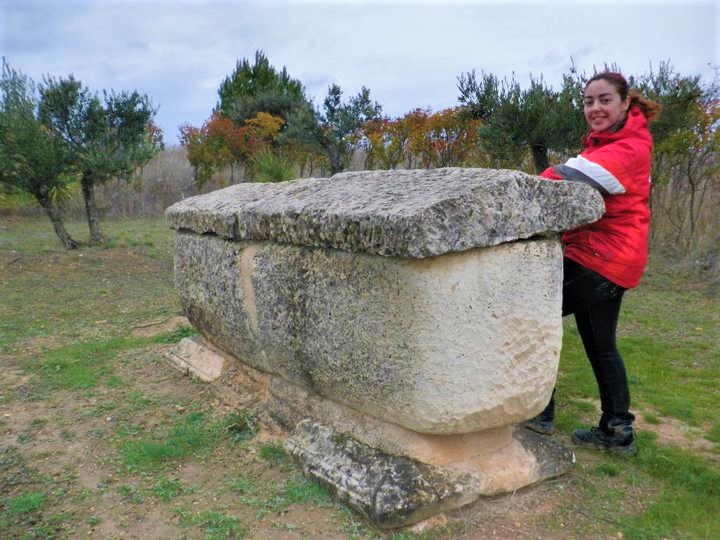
{"x":336,"y":129}
{"x":687,"y":170}
{"x":207,"y":150}
{"x":220,"y":143}
{"x":538,"y":119}
{"x":107,"y":139}
{"x":444,"y":139}
{"x":677,"y":95}
{"x":32,"y":158}
{"x":259,"y":87}
{"x":378,"y":144}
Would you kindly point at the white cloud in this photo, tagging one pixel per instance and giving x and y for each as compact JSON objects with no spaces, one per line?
{"x":408,"y":53}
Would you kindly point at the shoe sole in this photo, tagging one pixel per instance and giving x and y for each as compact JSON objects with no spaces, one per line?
{"x":628,"y":450}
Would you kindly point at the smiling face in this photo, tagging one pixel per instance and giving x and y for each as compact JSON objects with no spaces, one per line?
{"x":603,"y":106}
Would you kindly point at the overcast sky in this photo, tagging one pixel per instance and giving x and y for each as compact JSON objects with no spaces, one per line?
{"x":408,"y":53}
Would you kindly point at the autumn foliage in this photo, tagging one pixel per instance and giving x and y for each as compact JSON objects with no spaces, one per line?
{"x":447,"y":138}
{"x":221,"y":143}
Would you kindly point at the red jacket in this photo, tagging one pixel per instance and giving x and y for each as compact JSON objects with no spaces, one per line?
{"x":618,"y":165}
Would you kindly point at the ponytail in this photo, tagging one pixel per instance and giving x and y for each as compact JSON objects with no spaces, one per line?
{"x":649,"y":108}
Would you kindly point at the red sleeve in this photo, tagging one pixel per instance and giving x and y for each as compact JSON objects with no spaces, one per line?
{"x":550,"y":174}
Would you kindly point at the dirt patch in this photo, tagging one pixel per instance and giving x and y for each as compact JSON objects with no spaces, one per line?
{"x":159,"y":327}
{"x":673,"y":431}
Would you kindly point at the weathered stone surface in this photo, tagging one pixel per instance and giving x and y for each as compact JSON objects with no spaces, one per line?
{"x":394,"y":491}
{"x":196,"y":358}
{"x":391,"y":491}
{"x":452,"y":344}
{"x":553,"y":458}
{"x":415,"y":214}
{"x":288,"y":404}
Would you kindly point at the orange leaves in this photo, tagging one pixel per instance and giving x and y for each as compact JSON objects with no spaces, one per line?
{"x":421,"y":138}
{"x":220,"y":142}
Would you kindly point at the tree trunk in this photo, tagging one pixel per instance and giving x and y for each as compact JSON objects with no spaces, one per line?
{"x":53,"y":213}
{"x":335,"y":163}
{"x":540,"y":157}
{"x":88,"y":191}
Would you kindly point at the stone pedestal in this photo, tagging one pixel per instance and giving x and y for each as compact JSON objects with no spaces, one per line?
{"x":408,"y":318}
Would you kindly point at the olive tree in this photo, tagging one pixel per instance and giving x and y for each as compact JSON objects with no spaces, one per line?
{"x":107,"y":138}
{"x":32,"y":158}
{"x":514,"y":120}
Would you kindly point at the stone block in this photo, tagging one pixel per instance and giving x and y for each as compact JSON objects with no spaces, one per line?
{"x":395,"y":491}
{"x":198,"y":359}
{"x":451,"y":344}
{"x":411,"y":214}
{"x":402,"y":322}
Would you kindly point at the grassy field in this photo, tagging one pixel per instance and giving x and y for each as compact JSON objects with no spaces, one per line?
{"x":99,"y":437}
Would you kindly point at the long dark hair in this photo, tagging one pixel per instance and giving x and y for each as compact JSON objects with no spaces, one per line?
{"x":649,"y":108}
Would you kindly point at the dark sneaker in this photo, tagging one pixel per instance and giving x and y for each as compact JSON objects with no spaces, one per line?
{"x":540,"y":425}
{"x":619,"y":440}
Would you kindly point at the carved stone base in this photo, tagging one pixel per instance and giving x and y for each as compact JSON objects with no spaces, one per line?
{"x":394,"y":491}
{"x":392,"y":475}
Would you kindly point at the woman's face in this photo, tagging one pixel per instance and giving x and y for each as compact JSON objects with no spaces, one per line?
{"x":603,"y":106}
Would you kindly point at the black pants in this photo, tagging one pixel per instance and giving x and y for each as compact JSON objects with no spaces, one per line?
{"x":595,"y":302}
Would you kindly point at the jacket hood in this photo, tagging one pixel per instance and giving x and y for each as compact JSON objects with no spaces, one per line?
{"x":636,"y":125}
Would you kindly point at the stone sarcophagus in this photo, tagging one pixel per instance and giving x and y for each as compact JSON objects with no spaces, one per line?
{"x":404,"y":321}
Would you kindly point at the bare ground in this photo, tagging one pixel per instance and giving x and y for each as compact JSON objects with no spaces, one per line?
{"x":66,"y":445}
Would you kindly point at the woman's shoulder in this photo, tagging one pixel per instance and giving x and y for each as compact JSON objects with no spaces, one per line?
{"x":634,"y":136}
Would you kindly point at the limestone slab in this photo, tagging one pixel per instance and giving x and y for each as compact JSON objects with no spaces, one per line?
{"x":414,"y":213}
{"x":196,"y":358}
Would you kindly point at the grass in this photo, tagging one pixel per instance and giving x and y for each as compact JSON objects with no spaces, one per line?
{"x":274,"y":453}
{"x":103,"y":436}
{"x":167,"y":489}
{"x":240,"y":427}
{"x":189,"y":434}
{"x":26,"y":503}
{"x":214,"y":524}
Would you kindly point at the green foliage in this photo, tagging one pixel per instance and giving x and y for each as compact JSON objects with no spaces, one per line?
{"x":279,"y":498}
{"x":108,"y":138}
{"x":691,"y":494}
{"x":189,"y":434}
{"x":216,"y":525}
{"x":26,"y":503}
{"x":259,"y":87}
{"x":269,"y":167}
{"x":538,"y":119}
{"x":244,"y":485}
{"x":12,"y":198}
{"x":340,"y":122}
{"x":685,"y":165}
{"x":176,"y":335}
{"x":651,"y":419}
{"x":274,"y":453}
{"x":130,"y":493}
{"x":303,"y":491}
{"x":677,"y":94}
{"x":79,"y":366}
{"x":240,"y":427}
{"x":32,"y":158}
{"x":167,"y":489}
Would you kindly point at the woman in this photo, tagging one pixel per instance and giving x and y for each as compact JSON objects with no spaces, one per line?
{"x":604,"y":259}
